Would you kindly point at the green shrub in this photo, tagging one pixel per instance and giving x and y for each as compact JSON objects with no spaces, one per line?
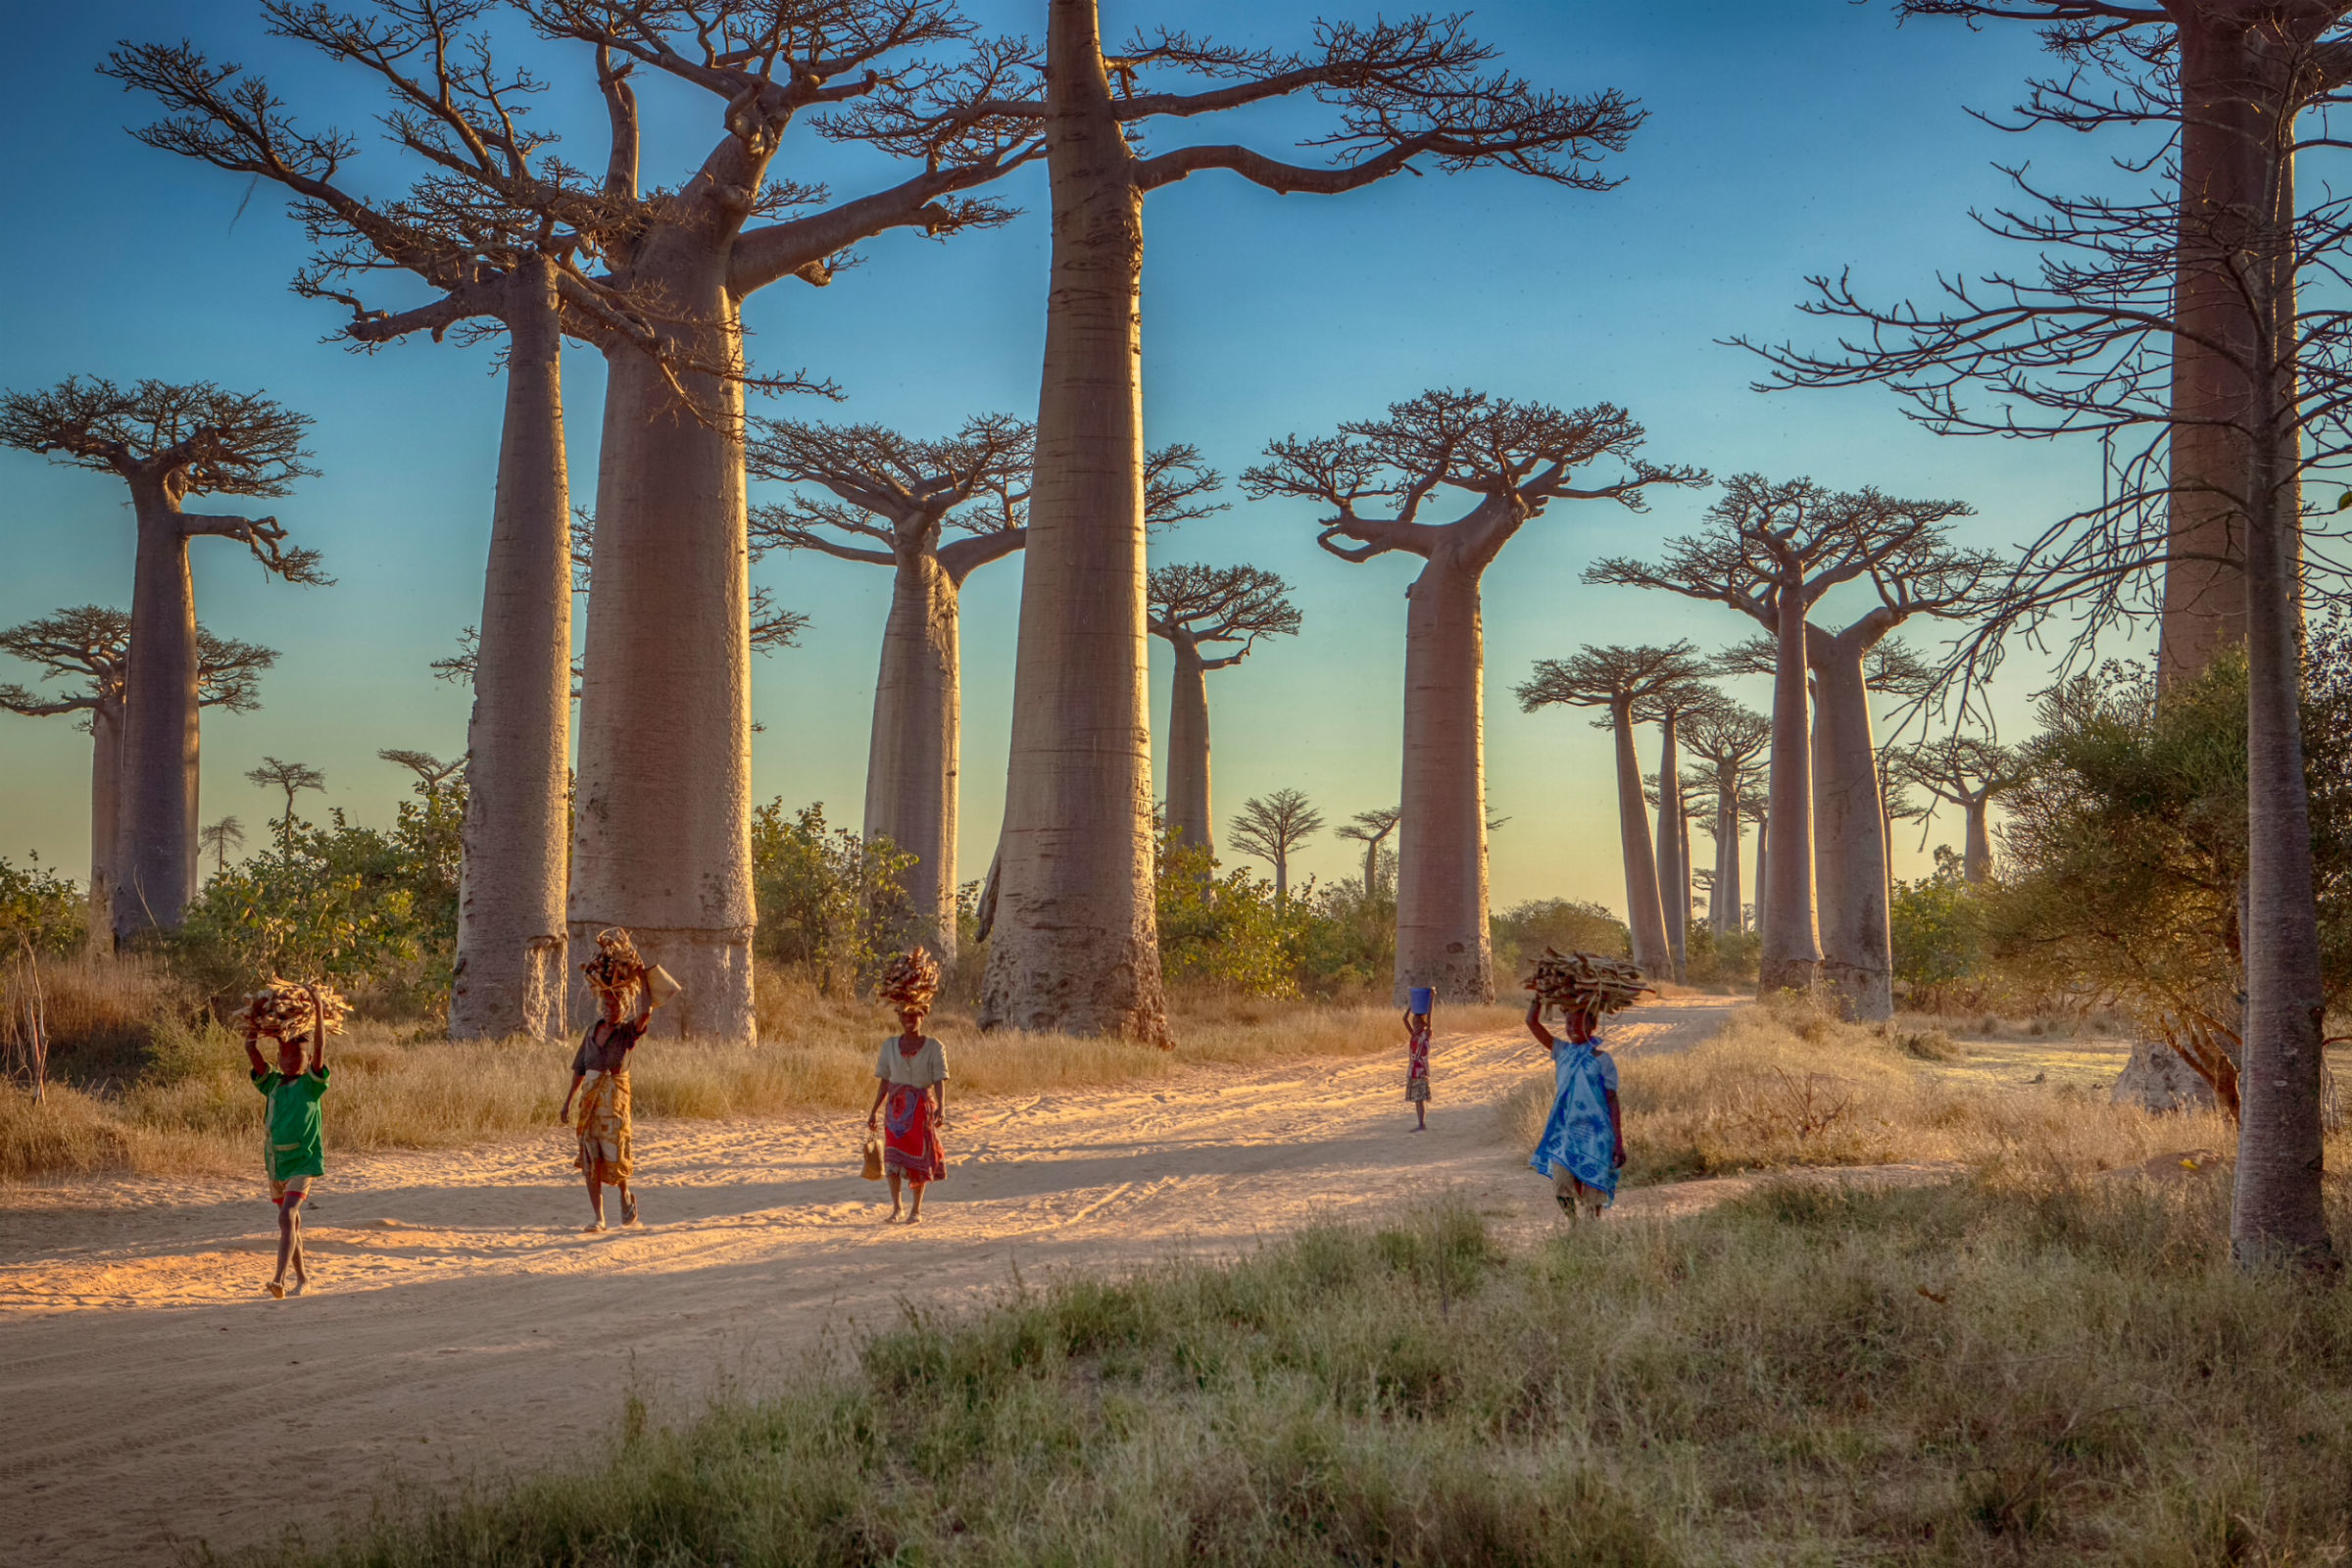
{"x":40,"y":909}
{"x":831,"y":904}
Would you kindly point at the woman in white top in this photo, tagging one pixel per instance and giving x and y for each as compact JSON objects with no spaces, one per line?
{"x":911,"y":1105}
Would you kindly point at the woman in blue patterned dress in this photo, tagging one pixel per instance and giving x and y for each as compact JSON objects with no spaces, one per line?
{"x":1582,"y":1146}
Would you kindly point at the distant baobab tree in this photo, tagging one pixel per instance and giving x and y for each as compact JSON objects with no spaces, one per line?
{"x":218,"y":838}
{"x":1371,"y":829}
{"x":91,"y":644}
{"x":1075,"y":945}
{"x":1623,"y":680}
{"x":1665,"y":707}
{"x":1228,"y":608}
{"x":293,"y":778}
{"x":433,"y":775}
{"x":1504,"y":462}
{"x":1271,"y":828}
{"x":1727,"y":739}
{"x":1970,"y":772}
{"x":167,"y":442}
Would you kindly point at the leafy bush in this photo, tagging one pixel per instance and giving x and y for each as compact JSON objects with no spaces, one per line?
{"x":1938,"y":929}
{"x":1714,"y":958}
{"x":1227,"y":932}
{"x":831,"y":903}
{"x":1521,"y":935}
{"x":39,"y":908}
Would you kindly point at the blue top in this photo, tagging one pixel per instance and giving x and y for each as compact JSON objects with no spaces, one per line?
{"x":1579,"y":1136}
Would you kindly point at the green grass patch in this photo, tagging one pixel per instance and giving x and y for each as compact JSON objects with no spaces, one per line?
{"x":1996,"y":1371}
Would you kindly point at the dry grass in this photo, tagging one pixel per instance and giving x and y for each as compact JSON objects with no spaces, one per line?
{"x":192,"y":1108}
{"x":1785,"y":1086}
{"x":2039,"y":1368}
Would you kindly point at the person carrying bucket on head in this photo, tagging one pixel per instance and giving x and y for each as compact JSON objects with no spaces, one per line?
{"x":1422,"y":1002}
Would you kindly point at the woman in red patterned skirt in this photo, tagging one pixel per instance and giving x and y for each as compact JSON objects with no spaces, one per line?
{"x":911,"y":1106}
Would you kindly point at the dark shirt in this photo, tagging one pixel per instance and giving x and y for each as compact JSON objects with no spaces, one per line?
{"x":606,"y":1046}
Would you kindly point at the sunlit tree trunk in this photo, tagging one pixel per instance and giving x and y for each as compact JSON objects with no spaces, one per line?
{"x":1076,"y":941}
{"x":1674,"y":846}
{"x":1188,"y":746}
{"x":1785,"y":894}
{"x":1443,"y":936}
{"x":510,"y":973}
{"x":155,"y":868}
{"x":912,"y":778}
{"x":105,"y":810}
{"x":1763,"y":871}
{"x":1722,"y":914}
{"x":1646,"y":915}
{"x":1850,"y":834}
{"x":662,"y":831}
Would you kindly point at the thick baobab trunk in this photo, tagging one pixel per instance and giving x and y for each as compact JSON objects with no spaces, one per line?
{"x":1443,"y":937}
{"x":509,"y":973}
{"x":1645,"y":915}
{"x":1763,"y":872}
{"x":106,"y":813}
{"x":1975,"y":857}
{"x":1674,"y":847}
{"x":1850,"y":839}
{"x":2276,"y":1214}
{"x":155,"y":868}
{"x":912,"y":778}
{"x":662,"y":834}
{"x":2223,"y":139}
{"x":1076,"y":944}
{"x":1722,"y":914}
{"x":1791,"y":954}
{"x":1187,"y":749}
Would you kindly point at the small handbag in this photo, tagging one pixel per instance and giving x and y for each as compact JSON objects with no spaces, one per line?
{"x":873,"y":1160}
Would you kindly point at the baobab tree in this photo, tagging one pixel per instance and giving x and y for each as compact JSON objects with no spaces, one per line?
{"x":935,"y":512}
{"x":293,"y":778}
{"x":167,"y":442}
{"x":1622,"y":680}
{"x":1227,"y":608}
{"x":433,"y":775}
{"x":91,"y":644}
{"x":1271,"y":827}
{"x":1971,"y":772}
{"x":506,"y":237}
{"x":1770,"y":550}
{"x":1509,"y":462}
{"x":1371,"y":829}
{"x":218,"y":838}
{"x":1727,"y":739}
{"x":1665,"y":707}
{"x":662,"y":842}
{"x":1075,"y":945}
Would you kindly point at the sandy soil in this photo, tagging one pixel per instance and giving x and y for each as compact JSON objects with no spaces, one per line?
{"x":463,"y":1325}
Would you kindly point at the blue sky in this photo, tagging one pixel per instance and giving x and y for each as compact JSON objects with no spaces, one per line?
{"x":1787,"y":140}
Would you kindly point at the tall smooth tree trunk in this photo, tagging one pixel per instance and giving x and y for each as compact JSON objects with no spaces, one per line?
{"x":1849,"y":838}
{"x":1976,"y":856}
{"x":1722,"y":914}
{"x":1188,"y":748}
{"x":1763,"y":871}
{"x":1673,"y":847}
{"x":156,"y":864}
{"x":912,"y":763}
{"x":1443,"y":936}
{"x":508,"y":978}
{"x":2222,"y":138}
{"x":662,"y":834}
{"x":1076,"y":944}
{"x":106,"y":813}
{"x":1791,"y":953}
{"x":1645,"y":915}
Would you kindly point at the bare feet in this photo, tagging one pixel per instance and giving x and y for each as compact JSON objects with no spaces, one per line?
{"x":298,"y":1288}
{"x":591,"y":1230}
{"x":893,"y":1217}
{"x":277,"y":1290}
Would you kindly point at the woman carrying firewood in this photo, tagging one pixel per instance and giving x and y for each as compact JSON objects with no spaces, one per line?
{"x":626,"y":991}
{"x":1582,"y":1146}
{"x":911,"y":1092}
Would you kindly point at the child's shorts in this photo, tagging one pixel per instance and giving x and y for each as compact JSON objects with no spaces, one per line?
{"x":298,"y":1186}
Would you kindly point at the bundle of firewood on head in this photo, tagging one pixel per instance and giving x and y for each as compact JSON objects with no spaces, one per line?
{"x":284,"y":1010}
{"x":617,"y":970}
{"x":910,"y":980}
{"x":1586,"y":981}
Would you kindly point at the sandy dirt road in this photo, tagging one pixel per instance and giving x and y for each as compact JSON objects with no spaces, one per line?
{"x":464,"y":1325}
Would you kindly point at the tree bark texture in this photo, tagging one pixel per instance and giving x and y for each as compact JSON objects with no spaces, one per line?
{"x":1976,"y":857}
{"x":510,"y":976}
{"x":155,"y":867}
{"x":1850,"y":834}
{"x":1763,"y":873}
{"x":662,"y":828}
{"x":1188,"y":748}
{"x":1645,"y":914}
{"x":1723,"y":905}
{"x":912,"y":782}
{"x":1674,"y":846}
{"x":1790,"y":952}
{"x":1442,"y":937}
{"x":1077,"y":942}
{"x":2223,"y":139}
{"x":106,"y":813}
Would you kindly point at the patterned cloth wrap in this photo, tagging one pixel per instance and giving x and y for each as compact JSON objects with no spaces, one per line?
{"x":1416,"y":1065}
{"x":1578,"y":1136}
{"x":603,"y":1127}
{"x":910,"y":1142}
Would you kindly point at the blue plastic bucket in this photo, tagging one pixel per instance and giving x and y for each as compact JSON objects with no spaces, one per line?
{"x":1425,"y":998}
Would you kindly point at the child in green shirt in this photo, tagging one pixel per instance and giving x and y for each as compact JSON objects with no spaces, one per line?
{"x":295,"y":1150}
